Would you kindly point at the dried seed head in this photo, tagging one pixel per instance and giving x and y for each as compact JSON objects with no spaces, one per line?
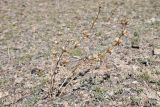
{"x":101,"y":55}
{"x":64,"y":49}
{"x":86,"y":34}
{"x":109,"y":50}
{"x":76,"y":44}
{"x":125,"y":32}
{"x":95,"y":56}
{"x":54,"y":52}
{"x":124,"y":22}
{"x":117,"y":41}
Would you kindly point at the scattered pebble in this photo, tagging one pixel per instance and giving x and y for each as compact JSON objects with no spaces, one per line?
{"x":18,"y":80}
{"x":135,"y":82}
{"x":135,"y":40}
{"x":3,"y":94}
{"x":106,"y":76}
{"x":156,"y":50}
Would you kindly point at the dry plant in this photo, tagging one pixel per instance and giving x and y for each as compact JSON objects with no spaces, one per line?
{"x":99,"y":57}
{"x":96,"y":18}
{"x":54,"y":72}
{"x":55,"y":69}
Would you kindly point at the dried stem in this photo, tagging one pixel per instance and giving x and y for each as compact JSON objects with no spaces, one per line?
{"x":94,"y":21}
{"x":54,"y":72}
{"x":74,"y":74}
{"x":101,"y":56}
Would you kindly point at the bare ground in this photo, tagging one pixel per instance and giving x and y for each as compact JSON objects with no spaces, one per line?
{"x":31,"y":31}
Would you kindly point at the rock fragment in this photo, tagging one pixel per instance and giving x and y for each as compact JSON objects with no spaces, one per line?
{"x":156,"y":50}
{"x":135,"y":40}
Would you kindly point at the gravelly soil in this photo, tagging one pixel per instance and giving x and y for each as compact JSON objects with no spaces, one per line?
{"x":32,"y":30}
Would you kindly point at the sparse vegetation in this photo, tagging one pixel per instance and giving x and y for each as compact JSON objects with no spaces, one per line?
{"x":99,"y":93}
{"x":145,"y":76}
{"x":79,"y":53}
{"x":135,"y":101}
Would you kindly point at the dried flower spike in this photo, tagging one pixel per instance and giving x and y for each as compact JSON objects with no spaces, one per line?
{"x":76,"y":44}
{"x":124,"y":22}
{"x":86,"y":34}
{"x":109,"y":50}
{"x":54,"y":52}
{"x":101,"y":55}
{"x":95,"y":56}
{"x":118,"y":41}
{"x":125,"y":32}
{"x":64,"y":49}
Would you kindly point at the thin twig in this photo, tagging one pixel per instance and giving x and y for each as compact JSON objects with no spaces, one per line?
{"x":74,"y":74}
{"x":54,"y":72}
{"x":94,"y":21}
{"x":8,"y":52}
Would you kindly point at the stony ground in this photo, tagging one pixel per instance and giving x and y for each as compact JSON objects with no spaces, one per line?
{"x":32,"y":33}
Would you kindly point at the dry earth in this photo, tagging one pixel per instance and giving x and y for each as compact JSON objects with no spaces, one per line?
{"x":31,"y":31}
